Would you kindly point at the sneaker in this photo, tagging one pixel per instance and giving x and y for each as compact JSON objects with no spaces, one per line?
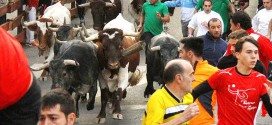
{"x":35,"y":43}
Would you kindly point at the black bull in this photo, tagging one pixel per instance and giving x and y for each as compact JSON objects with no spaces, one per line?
{"x":163,"y":48}
{"x":76,"y":70}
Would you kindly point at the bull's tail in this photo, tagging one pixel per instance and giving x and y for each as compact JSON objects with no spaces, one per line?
{"x":135,"y":78}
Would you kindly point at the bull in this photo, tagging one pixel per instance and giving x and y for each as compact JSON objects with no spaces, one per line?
{"x":76,"y":69}
{"x":162,"y":49}
{"x":103,"y":11}
{"x":117,"y":71}
{"x":55,"y":15}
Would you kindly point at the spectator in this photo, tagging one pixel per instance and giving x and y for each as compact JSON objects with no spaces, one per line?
{"x":192,"y":50}
{"x":241,"y":20}
{"x":221,"y":7}
{"x":239,"y":89}
{"x":31,"y":8}
{"x":201,"y":19}
{"x":153,"y":15}
{"x":261,"y":20}
{"x":19,"y":92}
{"x":58,"y":108}
{"x":187,"y":12}
{"x":43,"y":4}
{"x":170,"y":104}
{"x":231,"y":60}
{"x":214,"y":45}
{"x":81,"y":11}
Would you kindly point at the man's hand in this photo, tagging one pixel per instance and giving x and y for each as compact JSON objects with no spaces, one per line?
{"x":140,"y":27}
{"x":158,"y":15}
{"x":205,"y":24}
{"x":269,"y":91}
{"x":191,"y":111}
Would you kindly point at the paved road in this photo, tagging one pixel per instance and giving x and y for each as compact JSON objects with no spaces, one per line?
{"x":134,"y":105}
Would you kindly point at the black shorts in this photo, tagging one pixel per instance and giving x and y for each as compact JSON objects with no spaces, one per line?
{"x":26,"y":111}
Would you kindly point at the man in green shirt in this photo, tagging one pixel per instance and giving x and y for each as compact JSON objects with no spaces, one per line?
{"x":153,"y":15}
{"x":222,"y":7}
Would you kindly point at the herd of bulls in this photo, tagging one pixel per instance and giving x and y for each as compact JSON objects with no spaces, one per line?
{"x":109,"y":53}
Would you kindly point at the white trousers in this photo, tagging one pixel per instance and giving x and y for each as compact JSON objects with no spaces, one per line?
{"x":31,"y":17}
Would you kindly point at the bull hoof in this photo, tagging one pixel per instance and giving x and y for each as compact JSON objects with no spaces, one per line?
{"x":43,"y":79}
{"x":89,"y":107}
{"x":117,"y":116}
{"x":100,"y":120}
{"x":147,"y":93}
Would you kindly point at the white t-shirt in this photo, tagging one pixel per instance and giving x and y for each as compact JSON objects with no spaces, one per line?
{"x":201,"y":17}
{"x":261,"y":20}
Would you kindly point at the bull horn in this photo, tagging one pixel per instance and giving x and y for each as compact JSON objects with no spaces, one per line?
{"x":51,"y":28}
{"x":67,"y":62}
{"x":64,"y":21}
{"x":179,"y":48}
{"x":109,"y":4}
{"x":155,"y":48}
{"x":27,"y":23}
{"x":58,"y":41}
{"x":133,"y":49}
{"x":91,"y":38}
{"x":84,"y":5}
{"x":38,"y":68}
{"x":131,"y":34}
{"x":85,"y":31}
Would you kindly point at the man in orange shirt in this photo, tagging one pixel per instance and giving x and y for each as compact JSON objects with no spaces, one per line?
{"x":192,"y":50}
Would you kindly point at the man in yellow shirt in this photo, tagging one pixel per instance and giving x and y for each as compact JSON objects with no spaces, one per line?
{"x":172,"y":104}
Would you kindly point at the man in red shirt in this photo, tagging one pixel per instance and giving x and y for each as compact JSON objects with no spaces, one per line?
{"x":19,"y":93}
{"x":239,"y":88}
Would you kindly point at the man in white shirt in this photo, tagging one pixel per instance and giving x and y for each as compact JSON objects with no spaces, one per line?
{"x":201,"y":19}
{"x":261,"y":20}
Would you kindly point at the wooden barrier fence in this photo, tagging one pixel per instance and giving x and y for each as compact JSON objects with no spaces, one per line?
{"x":12,"y":23}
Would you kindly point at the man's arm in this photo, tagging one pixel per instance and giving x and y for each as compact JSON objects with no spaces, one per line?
{"x":246,"y":4}
{"x":190,"y":32}
{"x":266,"y":98}
{"x":141,"y":20}
{"x":269,"y":29}
{"x":232,"y":8}
{"x":191,"y":111}
{"x":202,"y":88}
{"x":174,"y":3}
{"x":164,"y":19}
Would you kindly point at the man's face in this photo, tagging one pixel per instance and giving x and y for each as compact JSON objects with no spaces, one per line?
{"x":53,"y":116}
{"x":232,"y":43}
{"x":248,"y":55}
{"x":267,"y":4}
{"x":207,"y":6}
{"x":215,"y":28}
{"x":234,"y":27}
{"x":187,"y":79}
{"x":153,"y":1}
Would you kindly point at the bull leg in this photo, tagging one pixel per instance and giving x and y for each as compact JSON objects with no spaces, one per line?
{"x":117,"y":107}
{"x":101,"y":118}
{"x":84,"y":98}
{"x":149,"y":90}
{"x":77,"y":97}
{"x":91,"y":100}
{"x":43,"y":76}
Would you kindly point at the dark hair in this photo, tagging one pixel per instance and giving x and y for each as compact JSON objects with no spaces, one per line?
{"x":59,"y":96}
{"x":213,"y":20}
{"x":237,"y":34}
{"x":206,"y":1}
{"x":240,"y":43}
{"x":243,"y":18}
{"x":171,"y":71}
{"x":194,"y":44}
